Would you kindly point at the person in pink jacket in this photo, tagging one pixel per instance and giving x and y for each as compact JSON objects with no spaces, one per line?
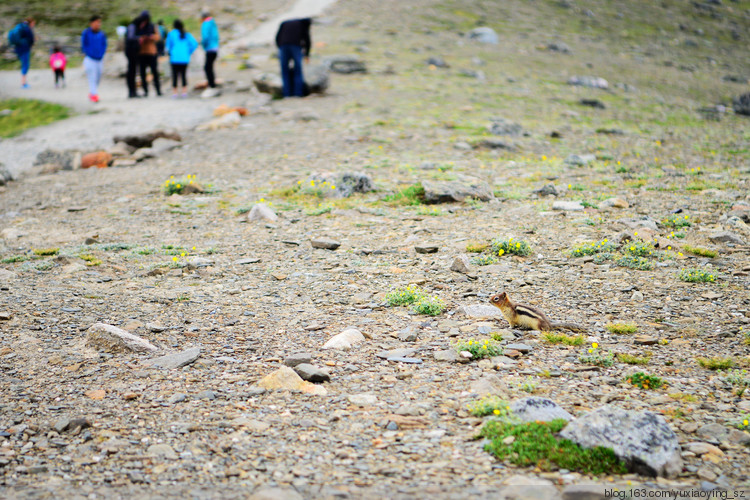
{"x":58,"y":61}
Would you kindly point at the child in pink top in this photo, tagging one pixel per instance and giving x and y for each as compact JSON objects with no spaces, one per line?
{"x":57,"y":62}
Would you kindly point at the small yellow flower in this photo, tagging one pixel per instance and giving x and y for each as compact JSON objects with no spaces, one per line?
{"x":182,"y":254}
{"x":635,"y":233}
{"x":745,"y":423}
{"x":590,"y":351}
{"x":333,"y":187}
{"x":174,"y":259}
{"x":179,"y":186}
{"x":594,"y":345}
{"x":497,"y":412}
{"x":544,"y":158}
{"x":193,"y":248}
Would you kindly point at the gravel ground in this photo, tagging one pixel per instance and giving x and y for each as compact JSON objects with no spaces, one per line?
{"x":187,"y":271}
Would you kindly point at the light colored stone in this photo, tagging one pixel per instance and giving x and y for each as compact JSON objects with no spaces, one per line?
{"x":701,"y":448}
{"x":520,"y":487}
{"x":229,"y":120}
{"x":614,"y":203}
{"x":161,"y":450}
{"x":262,"y":212}
{"x":568,"y":206}
{"x":345,"y":339}
{"x":325,"y":243}
{"x":111,"y":338}
{"x":726,"y":237}
{"x":461,"y":264}
{"x":481,"y":311}
{"x":534,"y":409}
{"x":362,"y":400}
{"x":268,"y":493}
{"x":489,"y":384}
{"x":286,"y":379}
{"x":579,"y":160}
{"x":176,"y":360}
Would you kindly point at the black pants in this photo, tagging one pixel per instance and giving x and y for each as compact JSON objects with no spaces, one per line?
{"x":179,"y":70}
{"x":130,"y":77}
{"x":147,"y":61}
{"x":59,"y":75}
{"x":209,"y":68}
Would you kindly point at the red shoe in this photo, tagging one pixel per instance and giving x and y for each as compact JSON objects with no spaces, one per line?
{"x":96,"y":97}
{"x":93,"y":98}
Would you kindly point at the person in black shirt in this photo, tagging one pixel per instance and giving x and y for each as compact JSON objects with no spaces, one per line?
{"x":293,"y":41}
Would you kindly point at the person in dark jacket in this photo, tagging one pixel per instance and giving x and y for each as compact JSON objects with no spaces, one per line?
{"x":132,"y":48}
{"x":22,"y":39}
{"x":293,"y":41}
{"x":94,"y":46}
{"x":147,"y":56}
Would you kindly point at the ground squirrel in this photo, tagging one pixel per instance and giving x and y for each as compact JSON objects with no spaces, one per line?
{"x":531,"y":318}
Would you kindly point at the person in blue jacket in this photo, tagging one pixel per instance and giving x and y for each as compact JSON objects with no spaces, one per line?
{"x":180,"y":45}
{"x":21,"y":37}
{"x":94,"y":46}
{"x":210,"y":44}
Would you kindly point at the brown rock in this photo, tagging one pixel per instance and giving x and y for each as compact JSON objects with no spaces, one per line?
{"x":100,"y":159}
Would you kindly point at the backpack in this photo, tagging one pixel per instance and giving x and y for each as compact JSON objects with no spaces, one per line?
{"x":14,"y":36}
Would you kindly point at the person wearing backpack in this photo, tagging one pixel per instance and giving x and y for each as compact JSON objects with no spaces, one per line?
{"x":180,"y":45}
{"x":21,"y":37}
{"x":132,"y":48}
{"x":58,"y":61}
{"x":147,"y":58}
{"x":94,"y":46}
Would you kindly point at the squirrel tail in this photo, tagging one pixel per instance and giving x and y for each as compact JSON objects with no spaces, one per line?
{"x":568,"y":326}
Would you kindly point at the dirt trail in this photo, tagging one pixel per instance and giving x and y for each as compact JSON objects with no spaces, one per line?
{"x":94,"y":125}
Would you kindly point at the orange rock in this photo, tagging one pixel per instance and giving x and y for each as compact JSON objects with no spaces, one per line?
{"x":100,"y":159}
{"x":96,"y":394}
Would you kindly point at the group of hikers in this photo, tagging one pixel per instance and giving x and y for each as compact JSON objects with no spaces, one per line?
{"x":146,"y":42}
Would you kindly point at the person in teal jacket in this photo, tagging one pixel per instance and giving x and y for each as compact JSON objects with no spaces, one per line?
{"x":210,"y":44}
{"x":180,"y":45}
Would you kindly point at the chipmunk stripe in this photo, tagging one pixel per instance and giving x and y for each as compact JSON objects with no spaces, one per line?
{"x":526,"y":312}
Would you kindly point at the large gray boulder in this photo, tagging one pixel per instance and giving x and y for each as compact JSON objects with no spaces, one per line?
{"x":642,"y":439}
{"x":459,"y":190}
{"x":316,"y":79}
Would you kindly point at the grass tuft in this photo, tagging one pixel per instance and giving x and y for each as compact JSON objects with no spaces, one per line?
{"x":43,"y":252}
{"x":703,"y":252}
{"x":621,"y":328}
{"x":536,"y":444}
{"x":716,"y":363}
{"x":629,"y":359}
{"x":561,"y":338}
